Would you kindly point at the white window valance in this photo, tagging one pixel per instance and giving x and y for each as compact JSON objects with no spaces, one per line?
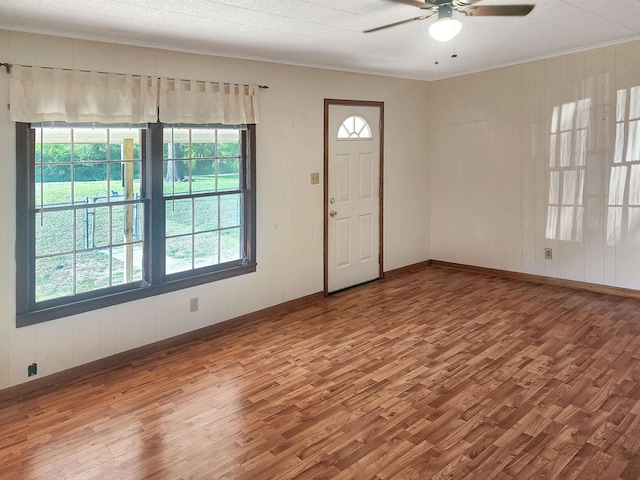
{"x":207,"y":102}
{"x":56,"y":95}
{"x":40,"y":94}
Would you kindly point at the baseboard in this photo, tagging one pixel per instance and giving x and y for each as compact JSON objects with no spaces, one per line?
{"x":24,"y":390}
{"x":556,"y":282}
{"x":34,"y":387}
{"x":407,"y":269}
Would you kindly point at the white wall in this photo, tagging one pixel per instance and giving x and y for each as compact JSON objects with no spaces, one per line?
{"x":290,"y":210}
{"x":493,"y":171}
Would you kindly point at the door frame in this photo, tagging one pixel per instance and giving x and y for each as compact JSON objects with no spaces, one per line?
{"x":328,"y":102}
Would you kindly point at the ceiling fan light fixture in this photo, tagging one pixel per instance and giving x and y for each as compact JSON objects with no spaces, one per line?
{"x":445,"y":29}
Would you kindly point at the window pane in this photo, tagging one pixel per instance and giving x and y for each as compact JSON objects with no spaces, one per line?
{"x":229,"y":168}
{"x":90,"y":145}
{"x":206,"y":137}
{"x":204,"y":145}
{"x":229,"y":174}
{"x":91,"y":152}
{"x":54,"y":277}
{"x":206,"y":249}
{"x":343,"y":132}
{"x":138,"y":222}
{"x":230,"y":241}
{"x":117,"y":174}
{"x":92,"y":227}
{"x":229,"y":140}
{"x":118,"y":222}
{"x":119,"y":273}
{"x":92,"y":270}
{"x":178,"y":216}
{"x":127,"y":223}
{"x":179,"y":254}
{"x":55,"y":183}
{"x":176,"y":143}
{"x":54,"y":233}
{"x":90,"y":182}
{"x":187,"y":179}
{"x":203,"y":159}
{"x":176,"y":177}
{"x":203,"y":167}
{"x":53,"y":153}
{"x":229,"y":146}
{"x":230,"y":211}
{"x":203,"y":182}
{"x":55,"y":146}
{"x":205,"y":213}
{"x":117,"y":138}
{"x":180,"y":150}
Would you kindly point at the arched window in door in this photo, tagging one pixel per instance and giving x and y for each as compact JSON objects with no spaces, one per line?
{"x":354,"y":127}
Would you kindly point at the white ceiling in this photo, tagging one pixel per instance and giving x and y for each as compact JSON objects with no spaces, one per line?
{"x":328,"y":33}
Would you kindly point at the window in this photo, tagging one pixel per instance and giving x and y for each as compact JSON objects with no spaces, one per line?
{"x":354,"y":127}
{"x":203,"y":198}
{"x":88,"y":219}
{"x":113,"y":214}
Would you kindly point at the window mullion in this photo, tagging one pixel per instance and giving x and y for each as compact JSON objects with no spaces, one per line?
{"x":155,"y":218}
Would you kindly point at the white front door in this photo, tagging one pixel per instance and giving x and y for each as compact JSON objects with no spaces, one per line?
{"x":353,"y":195}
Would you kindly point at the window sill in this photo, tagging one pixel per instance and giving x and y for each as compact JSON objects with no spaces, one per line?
{"x":51,"y":313}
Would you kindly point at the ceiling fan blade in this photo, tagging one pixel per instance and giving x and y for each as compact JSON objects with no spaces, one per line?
{"x":417,"y":3}
{"x":499,"y":11}
{"x":402,"y":22}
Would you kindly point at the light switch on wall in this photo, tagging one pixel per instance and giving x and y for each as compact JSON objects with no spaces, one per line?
{"x":315,"y":178}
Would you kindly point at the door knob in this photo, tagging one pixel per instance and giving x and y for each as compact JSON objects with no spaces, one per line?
{"x":333,"y":213}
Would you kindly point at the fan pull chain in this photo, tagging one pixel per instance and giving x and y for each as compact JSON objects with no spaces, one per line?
{"x":437,"y":61}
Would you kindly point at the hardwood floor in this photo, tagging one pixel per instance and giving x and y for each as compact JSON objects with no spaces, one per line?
{"x":432,"y":374}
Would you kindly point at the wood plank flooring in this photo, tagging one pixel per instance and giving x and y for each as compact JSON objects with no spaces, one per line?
{"x":434,"y":374}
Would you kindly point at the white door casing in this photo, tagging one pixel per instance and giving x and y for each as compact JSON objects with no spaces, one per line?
{"x":353,"y":195}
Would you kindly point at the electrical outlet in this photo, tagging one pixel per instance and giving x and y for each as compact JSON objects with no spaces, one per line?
{"x":32,"y":370}
{"x":548,"y":254}
{"x":193,"y":305}
{"x":315,"y":178}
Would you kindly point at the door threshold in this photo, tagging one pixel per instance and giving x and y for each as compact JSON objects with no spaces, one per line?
{"x":353,"y":286}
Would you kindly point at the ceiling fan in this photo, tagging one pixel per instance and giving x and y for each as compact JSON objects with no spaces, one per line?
{"x":447,"y":27}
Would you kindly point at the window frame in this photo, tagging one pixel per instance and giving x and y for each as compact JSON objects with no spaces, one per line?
{"x":156,"y":282}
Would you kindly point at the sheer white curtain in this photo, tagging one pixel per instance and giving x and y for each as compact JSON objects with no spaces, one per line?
{"x":49,"y":95}
{"x":207,"y":102}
